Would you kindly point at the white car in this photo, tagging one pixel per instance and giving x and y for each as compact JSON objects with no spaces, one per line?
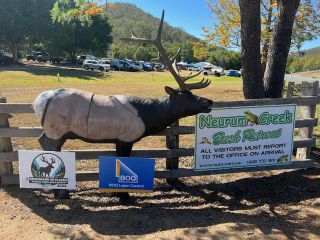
{"x":94,"y":64}
{"x":82,"y":58}
{"x":139,"y":65}
{"x":215,"y":70}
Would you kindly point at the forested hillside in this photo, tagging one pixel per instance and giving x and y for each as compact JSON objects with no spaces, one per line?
{"x":125,"y":17}
{"x":313,"y":52}
{"x":307,"y":60}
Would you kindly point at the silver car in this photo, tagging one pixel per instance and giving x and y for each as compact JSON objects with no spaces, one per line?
{"x":94,"y":64}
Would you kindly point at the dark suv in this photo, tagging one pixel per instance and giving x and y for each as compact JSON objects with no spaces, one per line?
{"x":5,"y":58}
{"x":43,"y":57}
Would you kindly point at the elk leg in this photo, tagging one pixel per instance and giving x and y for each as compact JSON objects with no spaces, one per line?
{"x":48,"y":144}
{"x":123,"y":149}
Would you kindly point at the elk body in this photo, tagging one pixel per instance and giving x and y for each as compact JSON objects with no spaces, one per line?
{"x":123,"y":120}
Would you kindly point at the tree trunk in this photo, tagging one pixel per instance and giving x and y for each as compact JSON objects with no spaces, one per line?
{"x":250,"y":48}
{"x":279,"y":48}
{"x":265,"y":48}
{"x":14,"y":50}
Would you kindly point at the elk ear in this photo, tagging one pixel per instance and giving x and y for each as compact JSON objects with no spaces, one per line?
{"x":170,"y":90}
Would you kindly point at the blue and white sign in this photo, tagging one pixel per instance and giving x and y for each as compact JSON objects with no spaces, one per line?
{"x":118,"y":174}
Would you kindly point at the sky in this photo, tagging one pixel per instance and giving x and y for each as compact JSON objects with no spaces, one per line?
{"x":191,"y":15}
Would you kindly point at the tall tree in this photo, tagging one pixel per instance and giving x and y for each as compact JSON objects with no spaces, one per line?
{"x":15,"y":23}
{"x":279,"y":48}
{"x":82,"y":25}
{"x":276,"y":20}
{"x":77,"y":38}
{"x":225,"y":30}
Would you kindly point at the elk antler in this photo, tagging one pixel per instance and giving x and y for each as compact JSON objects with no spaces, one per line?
{"x":53,"y":160}
{"x":170,"y":63}
{"x":43,"y":159}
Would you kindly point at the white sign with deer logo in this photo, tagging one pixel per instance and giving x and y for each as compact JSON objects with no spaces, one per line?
{"x":47,"y":170}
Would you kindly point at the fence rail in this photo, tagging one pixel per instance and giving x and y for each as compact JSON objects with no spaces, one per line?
{"x":172,"y":152}
{"x":176,"y":130}
{"x":299,"y":101}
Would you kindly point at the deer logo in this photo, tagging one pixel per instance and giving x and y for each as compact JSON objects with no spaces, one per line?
{"x":48,"y":165}
{"x":45,"y":171}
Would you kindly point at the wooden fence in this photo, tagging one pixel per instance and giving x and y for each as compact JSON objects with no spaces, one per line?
{"x":172,"y":152}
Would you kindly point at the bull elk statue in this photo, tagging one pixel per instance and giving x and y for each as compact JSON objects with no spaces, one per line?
{"x":123,"y":120}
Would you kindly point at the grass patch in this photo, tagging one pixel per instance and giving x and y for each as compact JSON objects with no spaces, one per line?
{"x":48,"y":75}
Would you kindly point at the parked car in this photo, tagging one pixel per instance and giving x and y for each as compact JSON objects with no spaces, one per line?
{"x":30,"y":57}
{"x":203,"y":65}
{"x":182,"y":66}
{"x":56,"y":59}
{"x":147,"y":67}
{"x":193,"y":68}
{"x":107,"y":63}
{"x":159,"y":67}
{"x":139,"y":65}
{"x":94,"y":64}
{"x":233,"y":73}
{"x":33,"y":56}
{"x":43,"y":57}
{"x":82,"y":58}
{"x":5,"y":58}
{"x":213,"y":70}
{"x":123,"y":65}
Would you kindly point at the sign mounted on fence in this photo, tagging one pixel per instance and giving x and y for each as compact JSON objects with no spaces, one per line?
{"x":126,"y":174}
{"x":48,"y":170}
{"x":244,"y":137}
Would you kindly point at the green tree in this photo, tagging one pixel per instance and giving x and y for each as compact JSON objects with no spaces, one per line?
{"x":67,"y":11}
{"x":74,"y":38}
{"x":187,"y":52}
{"x":15,"y":23}
{"x":40,"y":16}
{"x":142,"y":54}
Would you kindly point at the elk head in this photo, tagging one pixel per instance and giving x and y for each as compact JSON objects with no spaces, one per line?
{"x":183,"y":96}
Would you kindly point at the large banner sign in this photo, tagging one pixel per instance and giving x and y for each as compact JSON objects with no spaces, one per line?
{"x":246,"y":136}
{"x":48,"y":170}
{"x":126,"y":174}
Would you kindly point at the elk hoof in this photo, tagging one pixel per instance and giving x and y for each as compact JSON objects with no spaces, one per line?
{"x":61,"y":194}
{"x":123,"y":196}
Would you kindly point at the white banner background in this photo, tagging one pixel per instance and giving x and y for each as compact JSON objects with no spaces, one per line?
{"x":243,"y":153}
{"x":61,"y":173}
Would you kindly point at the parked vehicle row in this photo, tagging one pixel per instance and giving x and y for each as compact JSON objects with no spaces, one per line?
{"x":210,"y":69}
{"x":89,"y":62}
{"x":5,"y":58}
{"x":44,"y":57}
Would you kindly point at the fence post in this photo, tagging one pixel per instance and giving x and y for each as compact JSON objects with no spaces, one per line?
{"x":290,"y":89}
{"x":172,"y":142}
{"x":5,"y":143}
{"x":307,"y":89}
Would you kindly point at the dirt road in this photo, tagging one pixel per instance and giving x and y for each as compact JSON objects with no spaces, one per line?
{"x":239,"y":206}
